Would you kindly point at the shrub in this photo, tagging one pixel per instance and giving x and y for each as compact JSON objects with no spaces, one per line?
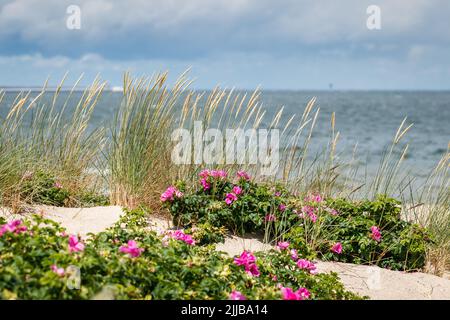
{"x":43,"y":188}
{"x":402,"y":245}
{"x":215,"y":201}
{"x":364,"y":232}
{"x":129,"y":262}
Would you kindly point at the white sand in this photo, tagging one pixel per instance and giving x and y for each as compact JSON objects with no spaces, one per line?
{"x":372,"y":281}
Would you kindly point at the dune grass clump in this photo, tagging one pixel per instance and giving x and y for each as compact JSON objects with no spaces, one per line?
{"x":48,"y":136}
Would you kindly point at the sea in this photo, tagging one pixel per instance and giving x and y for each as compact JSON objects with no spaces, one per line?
{"x":365,"y":119}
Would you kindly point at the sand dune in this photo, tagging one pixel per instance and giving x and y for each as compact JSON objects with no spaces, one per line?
{"x":371,"y":281}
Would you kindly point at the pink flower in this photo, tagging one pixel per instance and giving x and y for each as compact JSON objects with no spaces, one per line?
{"x":331,"y":211}
{"x":314,"y":198}
{"x":74,"y":244}
{"x":230,"y":198}
{"x":289,"y":294}
{"x":181,"y":236}
{"x":218,"y":174}
{"x":132,"y":249}
{"x":205,"y":184}
{"x":274,"y":278}
{"x":303,"y":293}
{"x":282,"y":207}
{"x":170,"y":193}
{"x":59,"y":271}
{"x":248,"y":260}
{"x":237,"y":190}
{"x":252,"y":270}
{"x":294,"y":254}
{"x":337,"y":248}
{"x":57,"y":185}
{"x":236,"y":295}
{"x":282,"y":245}
{"x":277,"y":194}
{"x":270,"y":217}
{"x":205,"y":173}
{"x":310,"y":211}
{"x":376,"y":234}
{"x":14,"y":226}
{"x":243,"y":175}
{"x":307,"y":265}
{"x":245,"y":258}
{"x":301,"y":215}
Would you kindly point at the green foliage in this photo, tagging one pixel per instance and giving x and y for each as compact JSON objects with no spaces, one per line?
{"x":246,"y":214}
{"x":43,"y":188}
{"x":310,"y":223}
{"x":402,"y":245}
{"x":205,"y":233}
{"x":90,"y":199}
{"x":172,"y":271}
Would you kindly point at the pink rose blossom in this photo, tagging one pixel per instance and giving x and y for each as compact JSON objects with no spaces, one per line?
{"x":337,"y":248}
{"x":132,"y":249}
{"x":314,"y":198}
{"x":248,"y":260}
{"x":376,"y":234}
{"x":218,"y":174}
{"x":243,"y":175}
{"x":307,"y":265}
{"x":57,"y":185}
{"x":282,"y":207}
{"x":270,"y":217}
{"x":277,"y":194}
{"x":310,"y":211}
{"x":282,"y":245}
{"x":289,"y":294}
{"x":236,"y":295}
{"x":205,"y":173}
{"x":14,"y":226}
{"x":294,"y":254}
{"x":331,"y":211}
{"x":237,"y":190}
{"x":59,"y":271}
{"x":170,"y":194}
{"x":75,"y":245}
{"x":181,"y":236}
{"x":205,"y":184}
{"x":230,"y":198}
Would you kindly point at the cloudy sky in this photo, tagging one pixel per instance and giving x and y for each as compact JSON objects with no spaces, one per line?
{"x":287,"y":44}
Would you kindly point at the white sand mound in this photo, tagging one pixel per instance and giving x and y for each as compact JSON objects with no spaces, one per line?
{"x":80,"y":221}
{"x":371,"y":281}
{"x":382,"y":284}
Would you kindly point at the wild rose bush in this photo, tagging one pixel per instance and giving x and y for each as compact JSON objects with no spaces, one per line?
{"x":372,"y":232}
{"x":38,"y":260}
{"x":365,"y":232}
{"x":235,"y":203}
{"x":42,"y":187}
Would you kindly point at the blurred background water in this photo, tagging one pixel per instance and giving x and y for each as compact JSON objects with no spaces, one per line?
{"x":367,"y":118}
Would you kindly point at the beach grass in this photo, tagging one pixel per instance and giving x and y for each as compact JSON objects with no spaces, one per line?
{"x":132,"y":154}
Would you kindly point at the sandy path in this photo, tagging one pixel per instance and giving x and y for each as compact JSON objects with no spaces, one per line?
{"x":371,"y":281}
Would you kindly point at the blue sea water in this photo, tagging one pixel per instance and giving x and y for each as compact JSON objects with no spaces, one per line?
{"x":367,"y":118}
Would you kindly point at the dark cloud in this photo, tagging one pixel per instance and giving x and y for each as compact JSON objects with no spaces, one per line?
{"x":232,"y":36}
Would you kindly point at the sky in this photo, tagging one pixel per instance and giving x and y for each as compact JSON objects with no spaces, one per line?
{"x":287,"y":44}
